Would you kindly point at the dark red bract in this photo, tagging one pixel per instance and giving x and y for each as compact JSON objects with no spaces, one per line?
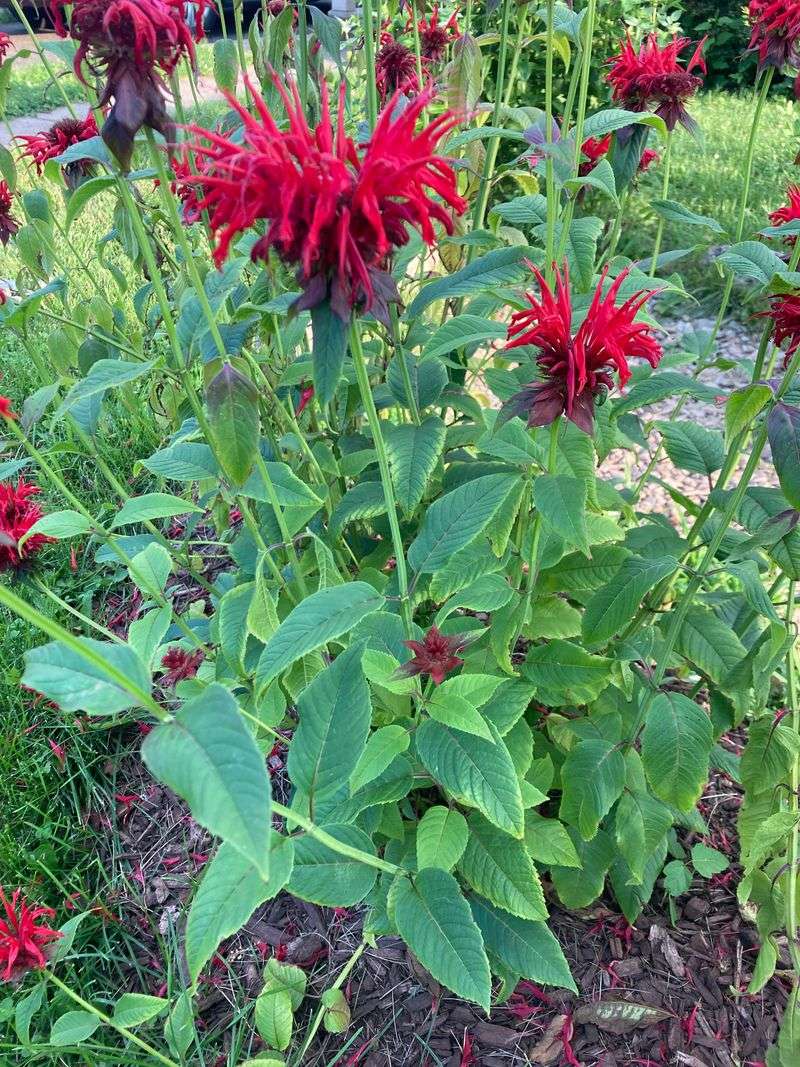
{"x":52,"y":142}
{"x":8,"y":224}
{"x":18,"y":512}
{"x":775,"y":32}
{"x":180,"y":664}
{"x":789,"y":212}
{"x":334,"y":211}
{"x":593,"y":149}
{"x":131,"y":45}
{"x":435,"y":655}
{"x":577,"y":369}
{"x":21,"y":937}
{"x":395,"y":69}
{"x":785,"y":314}
{"x":654,"y":78}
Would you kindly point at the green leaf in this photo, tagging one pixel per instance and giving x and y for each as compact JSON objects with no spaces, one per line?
{"x":381,"y":748}
{"x":441,"y":838}
{"x":233,"y":422}
{"x":616,"y":118}
{"x":329,"y":332}
{"x":640,"y":822}
{"x":334,"y":718}
{"x":414,"y":452}
{"x":75,"y":683}
{"x":575,"y":573}
{"x":73,"y":1027}
{"x":500,"y":869}
{"x":527,"y":948}
{"x":337,"y":1011}
{"x":461,"y":332}
{"x":185,"y":461}
{"x":328,"y":878}
{"x":752,"y":260}
{"x":364,"y":501}
{"x":133,"y":1009}
{"x":742,"y":407}
{"x":273,"y":1017}
{"x":290,"y":491}
{"x":152,"y":506}
{"x":105,"y":374}
{"x":708,"y":861}
{"x":561,"y":502}
{"x":479,"y":773}
{"x":428,"y":378}
{"x":230,"y":891}
{"x":464,"y":75}
{"x":179,"y":1029}
{"x":319,"y":618}
{"x":613,"y":606}
{"x":207,"y":755}
{"x":502,"y":266}
{"x":548,"y":842}
{"x":85,"y":192}
{"x":677,"y":878}
{"x":692,"y":447}
{"x":564,"y":673}
{"x":226,"y":64}
{"x":448,"y":706}
{"x":783,"y":426}
{"x":660,"y":386}
{"x":8,"y":169}
{"x":436,"y":923}
{"x":710,"y":644}
{"x":328,"y":31}
{"x":58,"y":524}
{"x":456,"y":518}
{"x":600,"y":177}
{"x":581,"y":247}
{"x":150,"y":569}
{"x":676,"y":743}
{"x":674,"y":212}
{"x":592,"y":778}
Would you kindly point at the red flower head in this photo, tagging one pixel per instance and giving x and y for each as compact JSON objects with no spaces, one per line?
{"x":789,"y":213}
{"x":653,"y":77}
{"x":594,"y":149}
{"x":785,"y":314}
{"x":5,"y":44}
{"x":57,"y":139}
{"x":395,"y":69}
{"x":775,"y":32}
{"x":5,"y":403}
{"x":180,"y":664}
{"x":21,"y":939}
{"x":435,"y":37}
{"x":435,"y":655}
{"x":8,"y":224}
{"x":577,"y":369}
{"x":132,"y":44}
{"x":17,"y":514}
{"x":334,"y":211}
{"x":649,"y":157}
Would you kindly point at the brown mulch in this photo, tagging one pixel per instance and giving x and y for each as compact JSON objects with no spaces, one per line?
{"x":691,"y":977}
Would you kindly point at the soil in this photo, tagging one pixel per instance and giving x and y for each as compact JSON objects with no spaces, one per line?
{"x":688,"y":978}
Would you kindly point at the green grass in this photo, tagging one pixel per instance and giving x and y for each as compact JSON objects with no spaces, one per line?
{"x":707,"y":177}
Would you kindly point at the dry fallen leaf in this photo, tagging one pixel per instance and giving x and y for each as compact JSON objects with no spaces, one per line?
{"x":660,"y":937}
{"x":620,"y":1016}
{"x":548,"y":1050}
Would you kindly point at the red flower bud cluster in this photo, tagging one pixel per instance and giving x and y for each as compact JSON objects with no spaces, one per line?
{"x":652,"y":77}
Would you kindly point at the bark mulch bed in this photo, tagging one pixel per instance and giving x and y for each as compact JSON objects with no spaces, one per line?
{"x":688,"y":979}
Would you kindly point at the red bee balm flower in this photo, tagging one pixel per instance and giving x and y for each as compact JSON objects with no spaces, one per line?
{"x":653,"y":77}
{"x":785,"y":314}
{"x":132,"y":44}
{"x":58,"y":138}
{"x":789,"y":213}
{"x":594,"y":149}
{"x":5,"y":44}
{"x":8,"y":224}
{"x":5,"y":403}
{"x":434,"y":37}
{"x":334,"y":212}
{"x":395,"y":69}
{"x":17,"y":514}
{"x":180,"y":664}
{"x":775,"y":32}
{"x":434,"y":655}
{"x":649,"y":157}
{"x":21,"y":939}
{"x":576,"y":369}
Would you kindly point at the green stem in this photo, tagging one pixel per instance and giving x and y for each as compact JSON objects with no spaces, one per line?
{"x":332,"y":843}
{"x":302,"y":34}
{"x":369,"y":58}
{"x":367,"y":400}
{"x":536,"y":532}
{"x":550,"y":184}
{"x":19,"y":12}
{"x":482,"y":199}
{"x":400,"y":356}
{"x":90,"y":624}
{"x":108,"y":1021}
{"x":587,"y":39}
{"x":793,"y":851}
{"x":269,"y":485}
{"x":664,"y":196}
{"x":320,"y":1015}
